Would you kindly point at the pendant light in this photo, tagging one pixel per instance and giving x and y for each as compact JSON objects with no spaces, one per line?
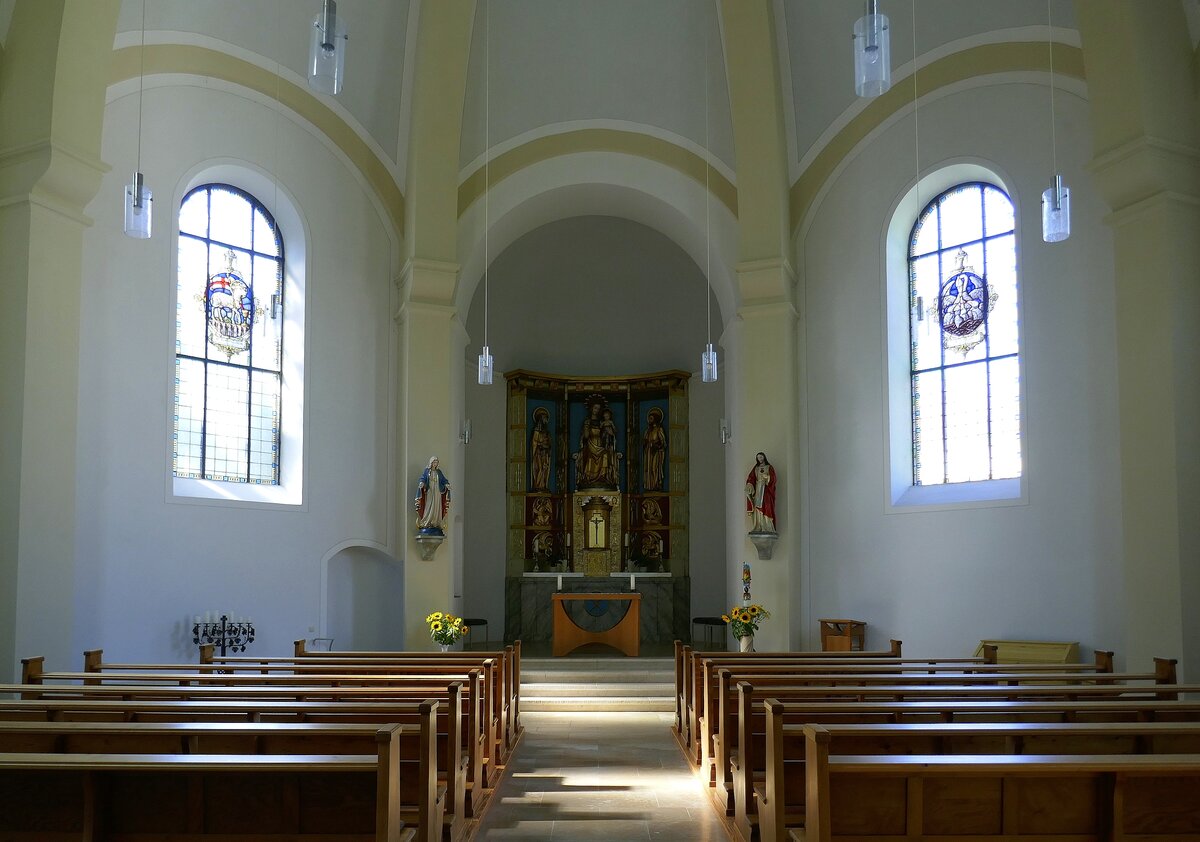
{"x":327,"y":51}
{"x":872,"y":53}
{"x":1056,"y":202}
{"x":139,"y":199}
{"x":708,"y":359}
{"x":486,"y":365}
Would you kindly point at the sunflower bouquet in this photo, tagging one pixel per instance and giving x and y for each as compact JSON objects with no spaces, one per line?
{"x":445,"y":628}
{"x":744,"y":619}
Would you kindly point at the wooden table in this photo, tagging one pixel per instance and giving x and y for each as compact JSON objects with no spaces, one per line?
{"x":624,"y":636}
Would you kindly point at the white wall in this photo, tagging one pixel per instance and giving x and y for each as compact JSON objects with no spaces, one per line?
{"x":148,"y":562}
{"x":942,"y":580}
{"x":590,"y":295}
{"x":365,"y":588}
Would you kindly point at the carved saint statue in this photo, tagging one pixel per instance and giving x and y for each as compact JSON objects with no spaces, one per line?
{"x":596,"y":461}
{"x":543,"y":511}
{"x":654,"y":451}
{"x":539,"y":451}
{"x":432,"y":502}
{"x":760,"y":495}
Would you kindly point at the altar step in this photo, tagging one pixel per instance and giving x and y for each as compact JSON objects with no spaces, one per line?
{"x":597,"y":684}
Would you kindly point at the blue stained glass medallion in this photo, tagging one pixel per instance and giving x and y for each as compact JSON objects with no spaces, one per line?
{"x":231,"y":308}
{"x":963,"y":305}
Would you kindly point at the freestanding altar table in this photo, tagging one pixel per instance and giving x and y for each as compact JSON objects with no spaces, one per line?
{"x":568,"y":636}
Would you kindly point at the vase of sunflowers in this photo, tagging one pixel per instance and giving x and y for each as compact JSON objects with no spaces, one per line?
{"x":446,"y":629}
{"x":744,"y":620}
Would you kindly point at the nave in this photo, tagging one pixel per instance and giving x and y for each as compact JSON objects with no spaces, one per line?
{"x":601,"y":775}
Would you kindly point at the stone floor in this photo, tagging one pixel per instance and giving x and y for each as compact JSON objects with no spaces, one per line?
{"x":612,"y":776}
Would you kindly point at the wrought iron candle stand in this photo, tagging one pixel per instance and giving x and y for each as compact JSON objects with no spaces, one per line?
{"x":224,"y":633}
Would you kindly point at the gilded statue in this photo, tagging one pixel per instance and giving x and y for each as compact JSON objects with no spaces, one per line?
{"x":539,"y":450}
{"x":654,"y":451}
{"x":596,"y":460}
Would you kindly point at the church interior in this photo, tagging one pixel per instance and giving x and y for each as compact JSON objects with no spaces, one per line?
{"x":884,"y":310}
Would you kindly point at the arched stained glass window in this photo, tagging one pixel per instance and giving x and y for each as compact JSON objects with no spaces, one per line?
{"x":964,"y":338}
{"x":229,"y":338}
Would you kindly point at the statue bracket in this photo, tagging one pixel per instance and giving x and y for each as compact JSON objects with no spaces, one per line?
{"x":428,"y":542}
{"x":764,"y":542}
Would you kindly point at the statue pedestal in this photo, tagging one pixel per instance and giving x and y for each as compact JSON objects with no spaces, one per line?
{"x":764,"y":542}
{"x":429,"y":543}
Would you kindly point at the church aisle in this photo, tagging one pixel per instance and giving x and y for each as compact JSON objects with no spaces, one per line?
{"x":613,"y":776}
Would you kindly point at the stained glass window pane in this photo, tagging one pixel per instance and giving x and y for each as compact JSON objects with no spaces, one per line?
{"x":264,"y":427}
{"x":929,"y":466}
{"x":1006,"y":418}
{"x":231,"y":219}
{"x":926,"y":337}
{"x":965,"y":363}
{"x":189,"y":298}
{"x":225,"y":424}
{"x":998,"y":211}
{"x":193,"y":214}
{"x":967,"y":456}
{"x":1002,"y":276}
{"x":229,"y":351}
{"x":264,"y":235}
{"x":925,"y":235}
{"x":961,"y":216}
{"x":189,"y":407}
{"x":268,"y":338}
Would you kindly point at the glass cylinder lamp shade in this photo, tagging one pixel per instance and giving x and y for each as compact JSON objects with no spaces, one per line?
{"x":139,"y":204}
{"x":1056,"y":212}
{"x":327,"y":51}
{"x":486,"y":367}
{"x":872,"y":55}
{"x":708,"y":364}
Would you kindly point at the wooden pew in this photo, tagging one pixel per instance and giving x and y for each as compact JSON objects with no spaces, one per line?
{"x":55,"y":795}
{"x":419,"y":680}
{"x":422,"y":806}
{"x":780,"y":795}
{"x":285,"y":721}
{"x":984,"y":798}
{"x":482,"y":768}
{"x":686,"y":655}
{"x":704,"y":669}
{"x":718,"y":708}
{"x":503,"y":685}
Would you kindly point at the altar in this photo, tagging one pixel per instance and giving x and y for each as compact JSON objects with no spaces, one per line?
{"x":597,"y":486}
{"x":664,"y":614}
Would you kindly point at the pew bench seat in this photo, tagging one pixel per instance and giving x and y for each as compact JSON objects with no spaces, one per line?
{"x":50,"y":797}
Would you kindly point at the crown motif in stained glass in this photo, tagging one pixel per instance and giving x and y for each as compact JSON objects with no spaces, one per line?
{"x":231,"y":308}
{"x":963,"y":304}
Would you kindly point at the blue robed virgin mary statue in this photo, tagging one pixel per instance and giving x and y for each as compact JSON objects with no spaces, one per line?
{"x":432,"y":502}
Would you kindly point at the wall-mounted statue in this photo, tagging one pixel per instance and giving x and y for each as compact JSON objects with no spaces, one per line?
{"x":596,"y":460}
{"x":760,"y":495}
{"x":432,"y":502}
{"x":654,"y":451}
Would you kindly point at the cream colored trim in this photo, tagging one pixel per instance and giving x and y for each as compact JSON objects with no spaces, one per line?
{"x":568,"y":126}
{"x":598,"y":140}
{"x":175,"y":38}
{"x":953,"y":69}
{"x":205,"y":62}
{"x":1030,"y":34}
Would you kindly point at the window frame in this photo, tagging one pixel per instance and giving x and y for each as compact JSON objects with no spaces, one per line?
{"x":901,"y":494}
{"x":293,"y":231}
{"x":249,"y":368}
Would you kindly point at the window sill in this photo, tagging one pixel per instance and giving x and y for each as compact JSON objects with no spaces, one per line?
{"x":959,"y":495}
{"x":211,"y":492}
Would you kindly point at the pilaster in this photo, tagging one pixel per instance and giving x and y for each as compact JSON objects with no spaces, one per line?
{"x":1146,"y":131}
{"x":51,"y":113}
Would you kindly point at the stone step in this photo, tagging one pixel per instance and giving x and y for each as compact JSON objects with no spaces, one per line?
{"x":573,"y":664}
{"x":597,"y":703}
{"x":596,"y":688}
{"x":627,"y":676}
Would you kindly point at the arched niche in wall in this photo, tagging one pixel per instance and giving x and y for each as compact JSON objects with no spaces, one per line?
{"x":364,"y":598}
